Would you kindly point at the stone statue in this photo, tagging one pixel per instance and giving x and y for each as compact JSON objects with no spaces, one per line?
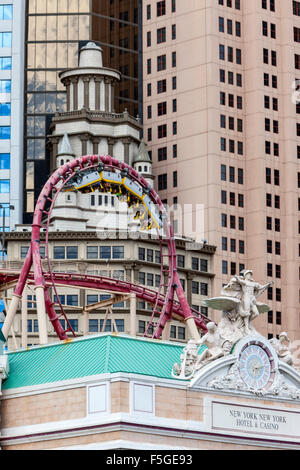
{"x":240,"y":306}
{"x":247,"y":291}
{"x":213,"y":344}
{"x":283,"y":348}
{"x":188,"y":359}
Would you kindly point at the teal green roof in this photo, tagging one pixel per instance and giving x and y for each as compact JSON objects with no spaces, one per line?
{"x":92,"y":355}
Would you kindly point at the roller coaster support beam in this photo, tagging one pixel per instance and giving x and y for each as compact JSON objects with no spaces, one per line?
{"x":132,"y":314}
{"x":17,"y":295}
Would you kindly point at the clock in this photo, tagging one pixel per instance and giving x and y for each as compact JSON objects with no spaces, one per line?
{"x":256,"y":365}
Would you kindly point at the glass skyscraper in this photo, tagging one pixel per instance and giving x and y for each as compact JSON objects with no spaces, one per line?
{"x":55,"y":31}
{"x":11,"y":112}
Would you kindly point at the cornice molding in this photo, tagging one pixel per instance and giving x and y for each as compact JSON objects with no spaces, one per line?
{"x":96,"y":116}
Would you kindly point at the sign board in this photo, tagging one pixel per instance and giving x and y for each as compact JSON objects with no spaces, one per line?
{"x":255,"y":420}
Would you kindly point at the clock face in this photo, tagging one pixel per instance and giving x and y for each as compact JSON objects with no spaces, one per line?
{"x":256,"y":365}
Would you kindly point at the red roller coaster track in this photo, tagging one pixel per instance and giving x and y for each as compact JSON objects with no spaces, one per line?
{"x":164,"y":303}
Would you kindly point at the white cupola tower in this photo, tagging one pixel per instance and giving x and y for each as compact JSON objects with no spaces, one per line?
{"x":91,"y":86}
{"x":142,"y":163}
{"x":90,"y":126}
{"x":65,"y":153}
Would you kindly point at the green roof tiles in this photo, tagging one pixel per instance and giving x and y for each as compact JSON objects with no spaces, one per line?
{"x":92,"y":355}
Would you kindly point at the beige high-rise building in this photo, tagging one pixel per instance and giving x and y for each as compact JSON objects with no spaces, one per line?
{"x":222,"y":123}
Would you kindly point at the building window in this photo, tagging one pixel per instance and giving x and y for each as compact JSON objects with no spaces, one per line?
{"x":277,"y":225}
{"x":150,"y":279}
{"x":142,"y":254}
{"x":6,"y":12}
{"x":148,"y":12}
{"x":175,"y":151}
{"x":142,"y":327}
{"x":93,"y":326}
{"x":181,"y":333}
{"x":180,"y":261}
{"x":5,"y":132}
{"x":161,"y":8}
{"x":105,"y":252}
{"x":174,"y":59}
{"x":162,"y":131}
{"x":5,"y":63}
{"x":278,"y":295}
{"x":6,"y":40}
{"x":59,"y":252}
{"x":224,"y":244}
{"x":162,"y":182}
{"x":4,"y":161}
{"x":175,"y":179}
{"x":221,"y":52}
{"x":72,"y":300}
{"x":223,"y":197}
{"x":5,"y":109}
{"x":238,"y":54}
{"x":241,"y":200}
{"x":161,"y":35}
{"x":224,"y":267}
{"x":223,"y":173}
{"x":92,"y":252}
{"x":224,"y":220}
{"x":195,"y":264}
{"x":296,"y":34}
{"x":162,"y":108}
{"x":223,"y":144}
{"x":233,"y":245}
{"x":173,"y":31}
{"x":161,"y":86}
{"x":278,"y":318}
{"x":118,"y":252}
{"x":92,"y":299}
{"x":296,"y":8}
{"x":24,"y":251}
{"x":221,"y":24}
{"x":161,"y":62}
{"x":174,"y":105}
{"x":278,"y":271}
{"x":72,"y":252}
{"x":150,"y":256}
{"x":162,"y":154}
{"x":195,"y":287}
